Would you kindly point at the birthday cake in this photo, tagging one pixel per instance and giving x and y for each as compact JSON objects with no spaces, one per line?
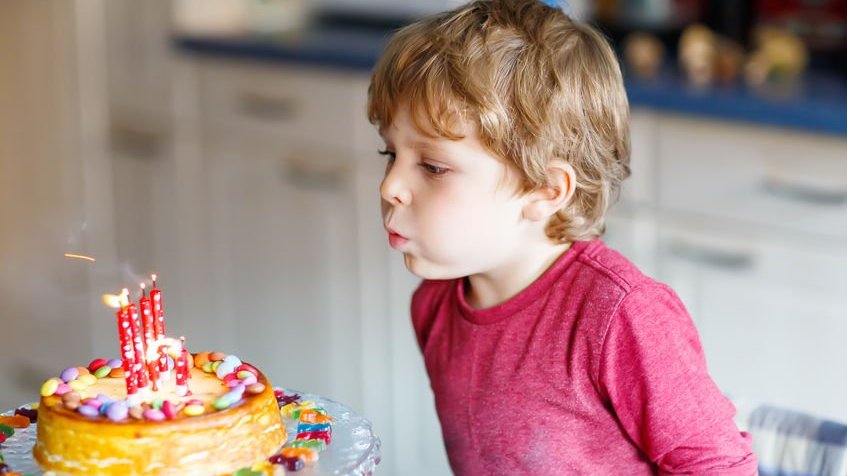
{"x":159,"y":410}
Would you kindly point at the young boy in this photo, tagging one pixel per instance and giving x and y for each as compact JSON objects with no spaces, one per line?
{"x":506,"y":131}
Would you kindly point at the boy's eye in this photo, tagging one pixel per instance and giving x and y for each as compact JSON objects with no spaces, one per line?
{"x":433,"y":169}
{"x":387,"y":153}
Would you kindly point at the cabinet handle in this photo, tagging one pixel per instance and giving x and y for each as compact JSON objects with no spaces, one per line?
{"x":267,"y":108}
{"x":805,"y":193}
{"x":306,"y":175}
{"x":136,"y":142}
{"x":712,"y":257}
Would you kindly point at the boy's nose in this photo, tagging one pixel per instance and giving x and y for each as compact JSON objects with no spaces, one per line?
{"x":393,"y":190}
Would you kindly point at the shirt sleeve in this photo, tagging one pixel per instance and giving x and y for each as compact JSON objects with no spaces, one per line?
{"x":653,"y":371}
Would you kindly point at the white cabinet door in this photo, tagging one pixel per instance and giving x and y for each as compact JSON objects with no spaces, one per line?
{"x":282,"y":248}
{"x":781,"y":179}
{"x":768,"y":309}
{"x":144,"y":187}
{"x":139,"y":53}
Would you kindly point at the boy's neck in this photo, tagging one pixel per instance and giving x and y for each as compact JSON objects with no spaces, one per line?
{"x":497,"y":286}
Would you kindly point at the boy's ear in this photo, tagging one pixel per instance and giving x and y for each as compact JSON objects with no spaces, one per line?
{"x":545,"y":201}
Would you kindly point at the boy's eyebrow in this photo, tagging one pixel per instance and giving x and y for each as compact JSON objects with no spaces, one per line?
{"x":427,"y":145}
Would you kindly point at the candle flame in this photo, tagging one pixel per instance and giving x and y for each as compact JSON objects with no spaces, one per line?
{"x":82,"y":257}
{"x":116,"y":300}
{"x":168,"y":345}
{"x":112,"y":300}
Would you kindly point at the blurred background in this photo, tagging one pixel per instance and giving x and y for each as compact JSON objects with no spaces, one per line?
{"x":224,"y":145}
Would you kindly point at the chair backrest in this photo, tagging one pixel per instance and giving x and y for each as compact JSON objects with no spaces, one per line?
{"x":792,"y":443}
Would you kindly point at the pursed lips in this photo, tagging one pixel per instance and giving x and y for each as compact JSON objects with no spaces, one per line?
{"x":395,"y":239}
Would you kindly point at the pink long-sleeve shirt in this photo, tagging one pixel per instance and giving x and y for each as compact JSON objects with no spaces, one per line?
{"x":593,"y":369}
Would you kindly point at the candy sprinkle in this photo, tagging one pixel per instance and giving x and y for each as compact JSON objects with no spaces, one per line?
{"x":96,"y":364}
{"x":154,"y":415}
{"x":49,"y":387}
{"x":16,"y":421}
{"x":89,"y":411}
{"x":193,"y":410}
{"x":103,"y":371}
{"x":27,"y":412}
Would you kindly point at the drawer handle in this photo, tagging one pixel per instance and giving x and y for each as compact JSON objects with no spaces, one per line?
{"x":712,"y":257}
{"x":805,"y":193}
{"x":136,"y":142}
{"x":267,"y":108}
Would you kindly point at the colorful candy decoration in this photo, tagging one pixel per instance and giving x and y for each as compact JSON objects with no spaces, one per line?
{"x":242,"y":381}
{"x":30,"y":414}
{"x":314,"y":432}
{"x":16,"y":421}
{"x":6,"y":432}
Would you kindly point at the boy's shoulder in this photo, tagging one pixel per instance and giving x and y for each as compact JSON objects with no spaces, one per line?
{"x":609,"y":268}
{"x":615,"y":286}
{"x":609,"y":281}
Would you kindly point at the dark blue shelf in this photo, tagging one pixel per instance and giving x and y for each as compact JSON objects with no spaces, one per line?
{"x":818,"y":103}
{"x":332,"y":47}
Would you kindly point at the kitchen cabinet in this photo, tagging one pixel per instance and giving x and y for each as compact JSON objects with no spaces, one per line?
{"x":139,"y":56}
{"x":282,"y":250}
{"x":784,"y":180}
{"x":770,"y":309}
{"x":747,"y":225}
{"x":143,"y":187}
{"x":280,"y":213}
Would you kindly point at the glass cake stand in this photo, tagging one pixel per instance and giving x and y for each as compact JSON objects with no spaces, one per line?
{"x":355,"y":449}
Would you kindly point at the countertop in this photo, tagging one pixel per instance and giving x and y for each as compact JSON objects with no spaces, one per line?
{"x":818,"y":103}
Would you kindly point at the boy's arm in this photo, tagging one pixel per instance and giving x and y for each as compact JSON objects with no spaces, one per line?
{"x":653,"y":371}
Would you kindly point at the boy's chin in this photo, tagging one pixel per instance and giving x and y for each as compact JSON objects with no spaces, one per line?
{"x":425,"y":269}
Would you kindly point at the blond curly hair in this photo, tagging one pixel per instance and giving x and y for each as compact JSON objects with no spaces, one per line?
{"x":536,"y":84}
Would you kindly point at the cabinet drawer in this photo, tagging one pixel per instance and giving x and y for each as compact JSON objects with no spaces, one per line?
{"x":712,"y":248}
{"x":785,"y":179}
{"x":769,"y":310}
{"x":272,"y":101}
{"x":299,"y":164}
